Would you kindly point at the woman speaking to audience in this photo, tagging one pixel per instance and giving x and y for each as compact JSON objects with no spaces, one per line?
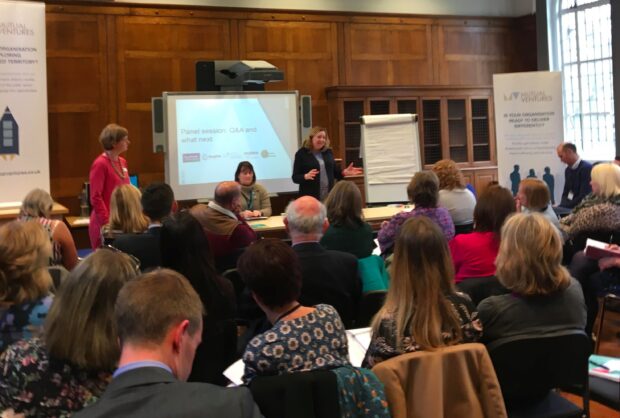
{"x":254,"y":197}
{"x":108,"y":171}
{"x":314,"y":168}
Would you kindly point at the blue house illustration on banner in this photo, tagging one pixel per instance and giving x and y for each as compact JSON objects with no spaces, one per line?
{"x":9,"y":134}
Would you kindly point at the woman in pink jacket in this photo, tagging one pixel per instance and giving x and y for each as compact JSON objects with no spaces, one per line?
{"x":108,"y":171}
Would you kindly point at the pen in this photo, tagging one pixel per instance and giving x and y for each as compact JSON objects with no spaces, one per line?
{"x":602,"y":366}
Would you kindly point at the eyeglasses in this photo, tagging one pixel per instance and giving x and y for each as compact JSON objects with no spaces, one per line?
{"x":134,"y":260}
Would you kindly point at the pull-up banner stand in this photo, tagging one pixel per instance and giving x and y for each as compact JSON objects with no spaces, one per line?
{"x":390,"y":149}
{"x":529,"y":127}
{"x":24,"y":155}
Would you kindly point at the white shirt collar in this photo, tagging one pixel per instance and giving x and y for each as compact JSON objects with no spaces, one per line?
{"x":222,"y":210}
{"x":574,"y":166}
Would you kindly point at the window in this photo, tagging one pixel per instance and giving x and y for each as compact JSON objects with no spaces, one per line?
{"x":581,"y":49}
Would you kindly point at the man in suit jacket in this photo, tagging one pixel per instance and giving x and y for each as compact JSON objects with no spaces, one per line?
{"x":576,"y":176}
{"x":328,"y":276}
{"x":159,"y":322}
{"x":157,"y":203}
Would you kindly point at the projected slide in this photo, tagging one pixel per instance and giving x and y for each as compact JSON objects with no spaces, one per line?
{"x":208,"y":134}
{"x":214,"y":135}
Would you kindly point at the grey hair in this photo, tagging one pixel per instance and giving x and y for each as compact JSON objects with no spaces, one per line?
{"x":37,"y":203}
{"x":305,"y":224}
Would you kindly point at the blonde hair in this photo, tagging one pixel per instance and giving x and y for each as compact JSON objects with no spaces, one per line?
{"x":536,"y":193}
{"x":344,"y":205}
{"x":126,"y":210}
{"x":530,"y":253}
{"x":307,"y":143}
{"x":25,"y":250}
{"x":422,"y":275}
{"x":80,"y":325}
{"x":607,"y":176}
{"x":37,"y":203}
{"x":450,"y":177}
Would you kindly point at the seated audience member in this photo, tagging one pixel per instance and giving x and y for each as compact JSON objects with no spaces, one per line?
{"x":600,"y":210}
{"x":158,"y":318}
{"x":254,"y":197}
{"x":37,"y":205}
{"x":157,"y":204}
{"x":185,"y":249}
{"x":474,"y":254}
{"x":422,"y":309}
{"x":576,"y":176}
{"x":596,"y":277}
{"x":226,"y":230}
{"x":303,"y":338}
{"x":347,"y":230}
{"x":126,"y":215}
{"x":72,"y":366}
{"x":423,"y":191}
{"x":544,"y":297}
{"x":329,"y":277}
{"x":25,"y":283}
{"x":533,"y":196}
{"x":453,"y":195}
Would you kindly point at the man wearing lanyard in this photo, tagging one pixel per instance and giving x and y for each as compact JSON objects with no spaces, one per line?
{"x":159,"y":322}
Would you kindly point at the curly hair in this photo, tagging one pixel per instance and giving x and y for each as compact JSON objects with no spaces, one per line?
{"x":25,"y":249}
{"x":450,"y":177}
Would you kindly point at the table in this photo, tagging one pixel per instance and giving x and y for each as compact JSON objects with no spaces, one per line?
{"x":374,"y":216}
{"x":9,"y":214}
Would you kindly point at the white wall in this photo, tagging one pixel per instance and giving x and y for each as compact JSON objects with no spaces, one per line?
{"x":434,"y":7}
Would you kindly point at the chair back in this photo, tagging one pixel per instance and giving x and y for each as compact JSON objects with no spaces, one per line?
{"x":453,"y":381}
{"x":480,"y":288}
{"x":369,"y":305}
{"x":58,"y":274}
{"x":529,"y":366}
{"x":302,"y":395}
{"x":235,"y":278}
{"x":373,"y":273}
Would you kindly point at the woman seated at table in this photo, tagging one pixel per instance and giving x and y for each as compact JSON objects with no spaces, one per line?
{"x":302,"y":338}
{"x":71,"y":367}
{"x":474,"y":254}
{"x":454,"y":196}
{"x":254,"y":197}
{"x":544,"y":297}
{"x":37,"y":205}
{"x":125,"y":214}
{"x":423,"y":192}
{"x":347,"y":230}
{"x":422,"y":310}
{"x":25,"y":283}
{"x":600,"y":210}
{"x":533,"y":196}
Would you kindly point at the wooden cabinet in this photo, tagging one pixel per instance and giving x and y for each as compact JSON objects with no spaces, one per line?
{"x":453,"y":122}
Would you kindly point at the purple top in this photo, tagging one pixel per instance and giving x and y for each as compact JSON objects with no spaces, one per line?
{"x":441,"y":216}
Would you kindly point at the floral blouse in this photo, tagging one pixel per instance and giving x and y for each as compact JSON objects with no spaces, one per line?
{"x":19,"y":322}
{"x":36,"y":385}
{"x":383,"y":344}
{"x":387,"y":234}
{"x":316,"y":341}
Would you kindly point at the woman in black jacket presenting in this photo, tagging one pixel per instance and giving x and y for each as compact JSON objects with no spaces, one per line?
{"x":314,"y":168}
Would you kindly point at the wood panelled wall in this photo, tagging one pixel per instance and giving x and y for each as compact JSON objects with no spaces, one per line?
{"x":105,"y":62}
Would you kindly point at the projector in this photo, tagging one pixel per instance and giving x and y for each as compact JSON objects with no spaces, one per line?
{"x":233,"y":72}
{"x":235,"y":75}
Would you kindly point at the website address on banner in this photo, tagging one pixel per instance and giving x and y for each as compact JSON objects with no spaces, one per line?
{"x":19,"y":173}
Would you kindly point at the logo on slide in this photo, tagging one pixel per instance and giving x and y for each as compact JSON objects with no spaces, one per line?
{"x":191,"y":157}
{"x":266,"y":154}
